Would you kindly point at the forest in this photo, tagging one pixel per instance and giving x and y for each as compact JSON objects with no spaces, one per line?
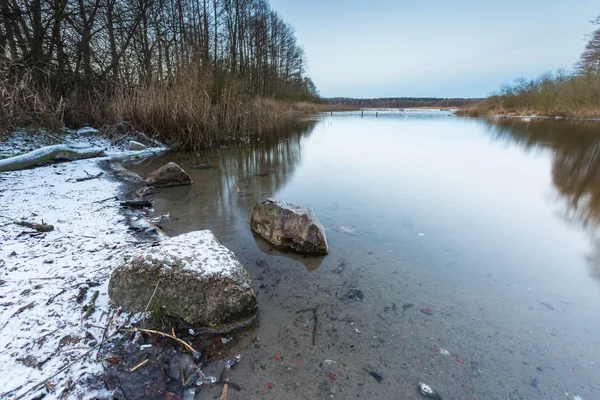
{"x":188,"y":71}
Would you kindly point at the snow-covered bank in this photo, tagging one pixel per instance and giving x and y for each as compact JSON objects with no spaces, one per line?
{"x":46,"y":279}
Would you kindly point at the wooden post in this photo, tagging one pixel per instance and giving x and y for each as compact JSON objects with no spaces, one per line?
{"x":361,"y":113}
{"x":376,"y":113}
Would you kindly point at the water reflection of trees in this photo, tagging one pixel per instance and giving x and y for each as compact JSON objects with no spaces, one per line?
{"x":243,"y":173}
{"x":575,"y":149}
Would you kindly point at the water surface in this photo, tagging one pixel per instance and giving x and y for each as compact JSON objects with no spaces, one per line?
{"x":489,"y":224}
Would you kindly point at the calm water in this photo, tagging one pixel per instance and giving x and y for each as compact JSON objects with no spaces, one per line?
{"x":491,"y":225}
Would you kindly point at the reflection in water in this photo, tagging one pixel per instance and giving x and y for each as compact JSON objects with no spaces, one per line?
{"x":421,"y":212}
{"x":575,"y":149}
{"x":241,"y":175}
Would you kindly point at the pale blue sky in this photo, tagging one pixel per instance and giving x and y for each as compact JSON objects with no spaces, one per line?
{"x":459,"y":48}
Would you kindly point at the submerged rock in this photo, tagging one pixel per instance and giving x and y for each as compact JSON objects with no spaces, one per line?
{"x":287,"y":226}
{"x":133,"y":145}
{"x":202,"y":166}
{"x":169,"y":174}
{"x":201,"y":281}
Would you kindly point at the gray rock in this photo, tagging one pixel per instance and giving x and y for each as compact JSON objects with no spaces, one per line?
{"x":201,"y":282}
{"x":87,"y":131}
{"x":169,"y":174}
{"x":133,"y":145}
{"x":287,"y":226}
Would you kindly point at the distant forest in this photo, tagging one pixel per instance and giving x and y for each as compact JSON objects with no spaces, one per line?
{"x":402,"y":102}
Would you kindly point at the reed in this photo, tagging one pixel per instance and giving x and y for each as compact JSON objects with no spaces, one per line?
{"x":551,"y":94}
{"x":190,"y":112}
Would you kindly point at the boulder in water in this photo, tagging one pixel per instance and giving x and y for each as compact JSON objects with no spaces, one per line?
{"x":169,"y":174}
{"x":288,"y":227}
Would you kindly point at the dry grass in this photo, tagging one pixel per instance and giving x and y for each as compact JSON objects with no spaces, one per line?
{"x":549,"y":95}
{"x":191,"y":112}
{"x":22,"y":103}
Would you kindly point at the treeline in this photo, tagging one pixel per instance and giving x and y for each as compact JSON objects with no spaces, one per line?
{"x":402,"y":102}
{"x":148,"y":61}
{"x":575,"y":93}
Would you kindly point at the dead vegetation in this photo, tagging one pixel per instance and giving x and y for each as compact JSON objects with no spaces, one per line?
{"x":234,"y":69}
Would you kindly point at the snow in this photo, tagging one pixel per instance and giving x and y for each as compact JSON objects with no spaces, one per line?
{"x":199,"y":252}
{"x":42,"y":330}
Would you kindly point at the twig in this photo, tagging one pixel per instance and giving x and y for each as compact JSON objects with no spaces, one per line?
{"x":184,"y":344}
{"x":108,"y":323}
{"x":47,"y":278}
{"x":102,"y":201}
{"x":87,"y":178}
{"x":314,"y":312}
{"x":148,"y":305}
{"x":140,"y":365}
{"x":160,"y":231}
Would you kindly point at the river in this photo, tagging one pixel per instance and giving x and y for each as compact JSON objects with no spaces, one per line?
{"x":463,"y":254}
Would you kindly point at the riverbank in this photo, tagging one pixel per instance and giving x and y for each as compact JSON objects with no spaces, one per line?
{"x":484,"y":110}
{"x":53,"y":282}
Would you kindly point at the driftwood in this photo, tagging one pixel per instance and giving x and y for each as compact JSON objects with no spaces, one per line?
{"x":136,"y":204}
{"x":87,"y":178}
{"x":38,"y":227}
{"x":59,"y":152}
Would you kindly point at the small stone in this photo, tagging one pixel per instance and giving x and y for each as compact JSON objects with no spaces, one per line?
{"x":270,"y":385}
{"x":136,"y":146}
{"x":277,"y":356}
{"x":427,"y":311}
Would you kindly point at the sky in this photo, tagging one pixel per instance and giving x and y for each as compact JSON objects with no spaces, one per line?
{"x":435,"y":48}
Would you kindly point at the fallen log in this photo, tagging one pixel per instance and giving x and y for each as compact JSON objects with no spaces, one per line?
{"x":59,"y":152}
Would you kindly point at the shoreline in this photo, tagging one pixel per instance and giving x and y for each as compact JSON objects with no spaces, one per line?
{"x":49,"y":343}
{"x":470,"y":112}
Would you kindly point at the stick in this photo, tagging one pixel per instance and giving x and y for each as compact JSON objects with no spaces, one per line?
{"x":225,"y":390}
{"x":140,"y":365}
{"x":38,"y":227}
{"x":87,"y":178}
{"x":314,"y":333}
{"x":148,"y":305}
{"x":108,"y":323}
{"x":102,"y":201}
{"x":92,"y":305}
{"x":184,"y":344}
{"x":160,"y":231}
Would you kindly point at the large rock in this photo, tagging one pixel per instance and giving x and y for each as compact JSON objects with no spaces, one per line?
{"x":287,"y":226}
{"x":169,"y":174}
{"x":201,"y":282}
